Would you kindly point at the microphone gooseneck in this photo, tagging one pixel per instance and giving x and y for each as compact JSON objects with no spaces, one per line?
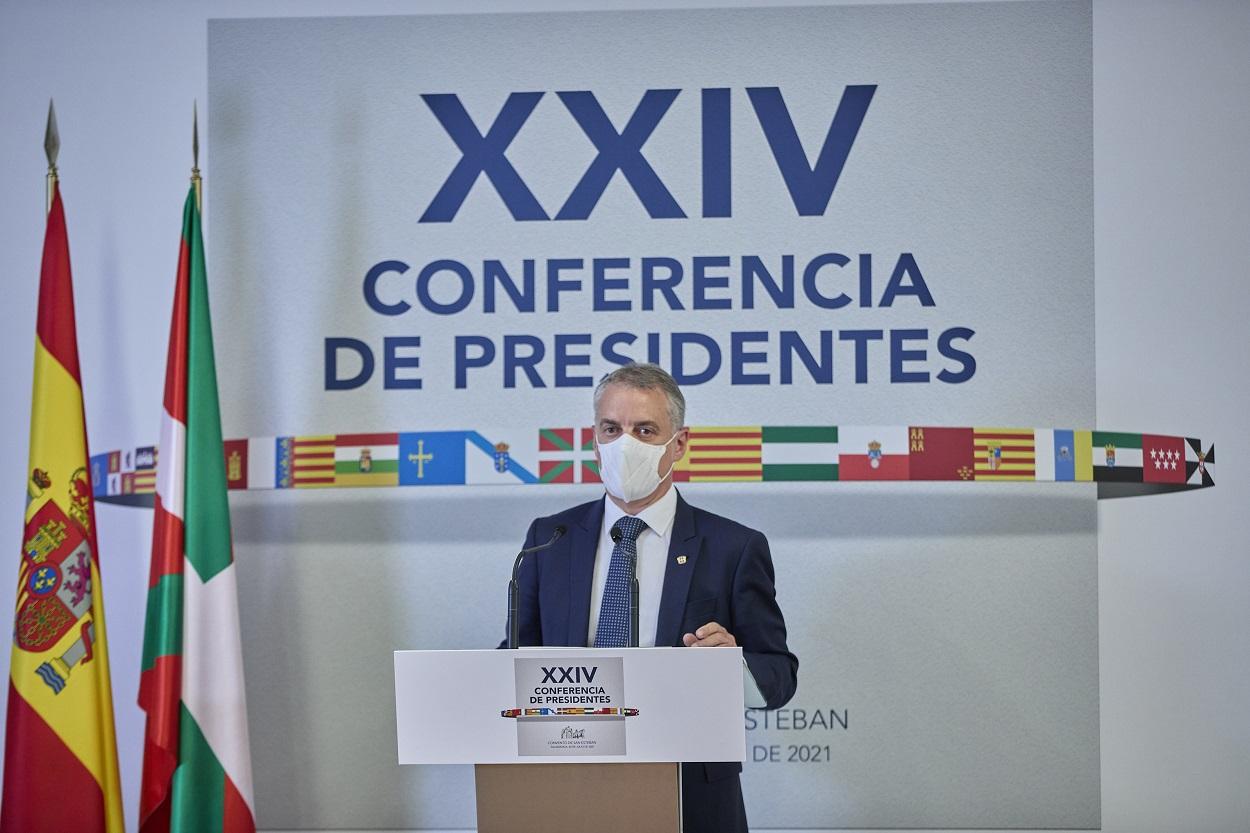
{"x":514,"y":625}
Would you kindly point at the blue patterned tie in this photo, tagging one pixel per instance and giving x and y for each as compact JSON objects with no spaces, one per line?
{"x":613,"y":628}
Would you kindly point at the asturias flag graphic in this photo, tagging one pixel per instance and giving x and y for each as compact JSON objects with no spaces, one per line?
{"x":197,"y":769}
{"x":60,"y":755}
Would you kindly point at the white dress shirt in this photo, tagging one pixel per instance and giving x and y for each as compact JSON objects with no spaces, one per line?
{"x":652,"y":558}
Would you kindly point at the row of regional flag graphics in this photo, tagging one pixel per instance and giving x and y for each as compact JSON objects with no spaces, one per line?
{"x":715,"y":454}
{"x":60,"y":753}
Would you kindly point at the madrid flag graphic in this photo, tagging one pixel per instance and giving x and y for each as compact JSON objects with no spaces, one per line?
{"x":197,"y":769}
{"x":60,"y":755}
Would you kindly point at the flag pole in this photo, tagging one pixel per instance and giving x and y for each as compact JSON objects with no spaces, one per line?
{"x":51,"y":147}
{"x":196,"y":182}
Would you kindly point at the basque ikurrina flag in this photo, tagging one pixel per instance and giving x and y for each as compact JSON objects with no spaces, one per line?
{"x":60,"y":755}
{"x":197,"y":770}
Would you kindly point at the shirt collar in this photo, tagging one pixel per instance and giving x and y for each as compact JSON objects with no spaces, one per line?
{"x":658,"y":516}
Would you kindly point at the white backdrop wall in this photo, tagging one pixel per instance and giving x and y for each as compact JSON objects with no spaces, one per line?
{"x":978,"y":605}
{"x":1171,"y":207}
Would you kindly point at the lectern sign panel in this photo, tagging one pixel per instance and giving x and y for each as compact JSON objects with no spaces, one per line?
{"x":570,"y":708}
{"x":569,"y":705}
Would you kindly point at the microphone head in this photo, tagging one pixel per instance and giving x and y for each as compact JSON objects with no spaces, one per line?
{"x":558,"y":533}
{"x":615,"y":533}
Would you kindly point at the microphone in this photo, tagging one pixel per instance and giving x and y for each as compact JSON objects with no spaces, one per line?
{"x":615,"y":534}
{"x":514,"y":624}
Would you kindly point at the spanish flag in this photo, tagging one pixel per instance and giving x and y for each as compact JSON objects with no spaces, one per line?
{"x":60,"y":755}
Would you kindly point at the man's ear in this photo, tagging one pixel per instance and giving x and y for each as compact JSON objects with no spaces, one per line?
{"x":681,"y":440}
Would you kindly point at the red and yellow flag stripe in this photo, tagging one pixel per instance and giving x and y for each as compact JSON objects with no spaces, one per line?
{"x":60,"y":767}
{"x":717,"y":454}
{"x":1004,"y":454}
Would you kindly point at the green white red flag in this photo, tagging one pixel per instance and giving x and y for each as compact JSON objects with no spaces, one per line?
{"x":197,"y":771}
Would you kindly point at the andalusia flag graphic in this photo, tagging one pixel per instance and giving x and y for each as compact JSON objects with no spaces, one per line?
{"x":60,"y":756}
{"x":197,"y":769}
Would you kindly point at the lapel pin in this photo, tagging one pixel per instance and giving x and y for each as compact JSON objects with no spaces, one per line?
{"x":681,"y":559}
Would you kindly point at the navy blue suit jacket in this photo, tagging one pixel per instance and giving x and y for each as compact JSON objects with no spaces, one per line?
{"x":727,"y":577}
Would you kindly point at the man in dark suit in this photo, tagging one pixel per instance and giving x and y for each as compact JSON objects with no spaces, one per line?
{"x":704,"y":580}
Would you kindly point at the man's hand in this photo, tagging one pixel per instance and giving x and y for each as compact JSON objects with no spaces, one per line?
{"x":710,"y":635}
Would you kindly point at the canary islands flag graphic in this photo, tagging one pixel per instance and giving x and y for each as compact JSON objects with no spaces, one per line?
{"x":60,"y":753}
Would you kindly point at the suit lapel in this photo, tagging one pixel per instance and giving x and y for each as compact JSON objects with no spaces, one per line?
{"x":687,"y":542}
{"x":583,"y":543}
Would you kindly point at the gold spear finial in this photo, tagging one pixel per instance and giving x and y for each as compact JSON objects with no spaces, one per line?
{"x":196,"y":182}
{"x":52,"y":147}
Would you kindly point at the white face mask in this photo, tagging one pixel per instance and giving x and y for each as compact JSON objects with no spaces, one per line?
{"x":629,"y":467}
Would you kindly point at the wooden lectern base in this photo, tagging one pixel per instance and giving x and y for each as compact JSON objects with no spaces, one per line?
{"x":575,"y":798}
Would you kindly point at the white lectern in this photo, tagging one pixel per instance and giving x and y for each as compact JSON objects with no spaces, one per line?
{"x":572,"y":739}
